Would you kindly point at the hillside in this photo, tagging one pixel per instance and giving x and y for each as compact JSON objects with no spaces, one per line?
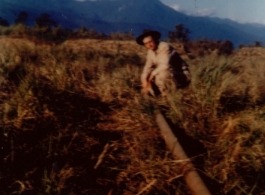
{"x":131,"y":16}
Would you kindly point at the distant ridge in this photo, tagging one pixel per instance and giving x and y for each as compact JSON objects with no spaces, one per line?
{"x":131,"y":16}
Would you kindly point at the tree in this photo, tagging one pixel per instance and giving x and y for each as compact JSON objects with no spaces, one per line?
{"x":226,"y":47}
{"x":3,"y":22}
{"x":258,"y":44}
{"x":22,"y":18}
{"x":181,"y":33}
{"x":45,"y":20}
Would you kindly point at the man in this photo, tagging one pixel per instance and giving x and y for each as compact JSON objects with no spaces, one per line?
{"x":163,"y":64}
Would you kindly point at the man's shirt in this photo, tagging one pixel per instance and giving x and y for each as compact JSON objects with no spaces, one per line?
{"x":164,"y":58}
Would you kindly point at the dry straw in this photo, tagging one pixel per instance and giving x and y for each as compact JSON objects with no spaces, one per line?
{"x":48,"y":93}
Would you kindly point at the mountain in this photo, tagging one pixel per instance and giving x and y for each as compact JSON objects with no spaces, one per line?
{"x":131,"y":15}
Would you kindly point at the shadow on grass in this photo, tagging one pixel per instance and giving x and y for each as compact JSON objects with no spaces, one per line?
{"x":56,"y":151}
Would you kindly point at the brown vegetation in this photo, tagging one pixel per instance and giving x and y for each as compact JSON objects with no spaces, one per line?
{"x":73,"y":120}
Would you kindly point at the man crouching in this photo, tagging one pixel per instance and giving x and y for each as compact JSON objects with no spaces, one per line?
{"x":163,"y":65}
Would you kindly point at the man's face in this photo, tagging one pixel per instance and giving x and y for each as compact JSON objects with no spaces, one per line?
{"x":149,"y":43}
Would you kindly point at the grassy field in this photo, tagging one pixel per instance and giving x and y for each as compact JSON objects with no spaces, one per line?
{"x":74,"y":121}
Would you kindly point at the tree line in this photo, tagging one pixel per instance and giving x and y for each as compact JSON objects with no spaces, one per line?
{"x":47,"y":29}
{"x":43,"y":20}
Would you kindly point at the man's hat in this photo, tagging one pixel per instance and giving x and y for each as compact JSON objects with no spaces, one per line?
{"x":155,"y":34}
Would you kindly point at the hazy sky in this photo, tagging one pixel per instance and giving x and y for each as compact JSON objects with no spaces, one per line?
{"x":238,"y":10}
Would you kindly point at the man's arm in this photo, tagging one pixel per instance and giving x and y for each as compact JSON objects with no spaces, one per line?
{"x":147,"y":71}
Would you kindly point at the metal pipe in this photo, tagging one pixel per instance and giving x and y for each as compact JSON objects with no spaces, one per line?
{"x":191,"y":176}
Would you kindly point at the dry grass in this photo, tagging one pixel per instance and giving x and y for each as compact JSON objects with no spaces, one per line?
{"x":71,"y":113}
{"x":223,"y":108}
{"x":74,"y":121}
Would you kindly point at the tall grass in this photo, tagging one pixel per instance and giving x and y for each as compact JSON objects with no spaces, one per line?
{"x":73,"y":120}
{"x":223,"y":108}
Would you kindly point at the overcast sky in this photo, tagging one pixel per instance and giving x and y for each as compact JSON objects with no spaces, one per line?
{"x":243,"y":11}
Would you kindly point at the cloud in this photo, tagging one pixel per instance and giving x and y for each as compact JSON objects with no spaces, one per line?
{"x":175,"y":7}
{"x":205,"y":12}
{"x":196,"y":12}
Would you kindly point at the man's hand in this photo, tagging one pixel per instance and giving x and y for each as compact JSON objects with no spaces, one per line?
{"x":150,"y":78}
{"x":145,"y":84}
